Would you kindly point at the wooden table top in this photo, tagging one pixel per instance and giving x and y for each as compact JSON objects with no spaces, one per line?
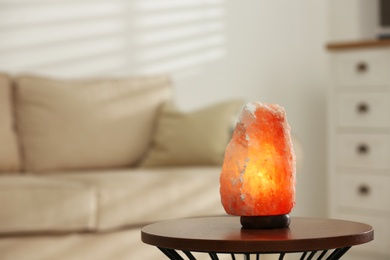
{"x":224,"y":234}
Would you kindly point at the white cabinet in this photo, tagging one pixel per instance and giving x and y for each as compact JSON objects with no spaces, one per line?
{"x":359,"y":141}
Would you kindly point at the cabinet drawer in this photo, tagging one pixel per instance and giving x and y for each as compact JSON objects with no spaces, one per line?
{"x":362,"y":68}
{"x":368,"y":191}
{"x":363,"y":150}
{"x":381,"y":242}
{"x":363,"y":109}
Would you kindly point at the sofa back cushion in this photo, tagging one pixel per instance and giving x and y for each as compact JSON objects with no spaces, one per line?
{"x":9,"y":150}
{"x":81,"y":124}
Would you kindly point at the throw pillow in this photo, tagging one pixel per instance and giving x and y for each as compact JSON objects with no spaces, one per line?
{"x":196,"y":138}
{"x":87,"y":124}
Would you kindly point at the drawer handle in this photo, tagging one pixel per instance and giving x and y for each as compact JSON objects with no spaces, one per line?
{"x":361,"y":67}
{"x":362,"y":108}
{"x":362,"y":149}
{"x":364,"y":190}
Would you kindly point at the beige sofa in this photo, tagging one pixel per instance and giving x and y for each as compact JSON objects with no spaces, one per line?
{"x":85,"y":163}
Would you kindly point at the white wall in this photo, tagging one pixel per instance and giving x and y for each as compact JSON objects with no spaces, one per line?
{"x":353,"y":20}
{"x":266,"y":50}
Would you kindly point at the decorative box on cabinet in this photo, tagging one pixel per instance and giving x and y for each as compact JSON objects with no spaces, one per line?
{"x":359,"y":140}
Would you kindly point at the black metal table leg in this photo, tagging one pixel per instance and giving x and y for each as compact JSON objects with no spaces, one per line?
{"x":171,"y":254}
{"x":322,"y":254}
{"x":214,"y":256}
{"x":189,"y":255}
{"x":308,"y":255}
{"x":338,"y":253}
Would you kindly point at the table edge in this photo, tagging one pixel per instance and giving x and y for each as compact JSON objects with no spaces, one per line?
{"x":252,"y":246}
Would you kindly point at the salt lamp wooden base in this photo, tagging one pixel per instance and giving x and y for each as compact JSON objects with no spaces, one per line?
{"x":265,"y":222}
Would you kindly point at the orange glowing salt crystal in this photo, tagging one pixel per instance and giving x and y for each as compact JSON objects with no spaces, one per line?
{"x":258,"y":173}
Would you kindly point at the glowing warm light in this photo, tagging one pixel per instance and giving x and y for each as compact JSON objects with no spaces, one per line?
{"x":258,"y":173}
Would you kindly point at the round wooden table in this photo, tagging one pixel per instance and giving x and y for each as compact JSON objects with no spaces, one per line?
{"x":314,"y":237}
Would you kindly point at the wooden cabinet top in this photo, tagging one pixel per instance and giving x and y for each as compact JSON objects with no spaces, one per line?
{"x":335,"y":46}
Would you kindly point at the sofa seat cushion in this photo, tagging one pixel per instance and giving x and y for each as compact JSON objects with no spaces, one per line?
{"x":87,"y":124}
{"x":34,"y":204}
{"x":138,"y":196}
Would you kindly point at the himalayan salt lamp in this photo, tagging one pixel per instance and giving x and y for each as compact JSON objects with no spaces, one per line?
{"x":258,"y":173}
